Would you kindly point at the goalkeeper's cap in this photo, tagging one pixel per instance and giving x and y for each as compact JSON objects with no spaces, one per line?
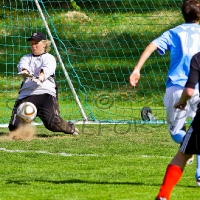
{"x":37,"y":37}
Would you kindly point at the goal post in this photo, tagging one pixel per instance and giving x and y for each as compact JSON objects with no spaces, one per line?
{"x":61,"y":62}
{"x":96,"y":44}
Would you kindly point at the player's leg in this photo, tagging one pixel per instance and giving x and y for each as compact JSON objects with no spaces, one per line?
{"x":198,"y":170}
{"x":192,"y":107}
{"x":175,"y":117}
{"x":175,"y":168}
{"x":48,"y":112}
{"x":172,"y":175}
{"x":15,"y":121}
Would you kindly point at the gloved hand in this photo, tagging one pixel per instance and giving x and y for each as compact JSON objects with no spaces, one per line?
{"x":25,"y":74}
{"x":37,"y":80}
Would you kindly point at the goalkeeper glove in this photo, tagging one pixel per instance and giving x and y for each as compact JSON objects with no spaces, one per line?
{"x":37,"y":80}
{"x":25,"y":74}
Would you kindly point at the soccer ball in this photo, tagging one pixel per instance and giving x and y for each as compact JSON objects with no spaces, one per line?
{"x":27,"y":112}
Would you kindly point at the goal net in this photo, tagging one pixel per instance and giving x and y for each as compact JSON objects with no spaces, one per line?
{"x":99,"y":43}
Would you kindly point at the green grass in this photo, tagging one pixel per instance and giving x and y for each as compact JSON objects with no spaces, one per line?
{"x":104,"y":162}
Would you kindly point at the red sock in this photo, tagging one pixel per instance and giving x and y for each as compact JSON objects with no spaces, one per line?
{"x":172,"y":176}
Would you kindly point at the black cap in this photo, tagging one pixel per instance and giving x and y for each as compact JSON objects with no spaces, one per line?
{"x":37,"y":37}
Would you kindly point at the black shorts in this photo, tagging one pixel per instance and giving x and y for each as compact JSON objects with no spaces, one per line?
{"x":47,"y":106}
{"x":191,"y":141}
{"x":47,"y":110}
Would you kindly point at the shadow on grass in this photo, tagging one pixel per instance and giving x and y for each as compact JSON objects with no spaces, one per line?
{"x":43,"y":135}
{"x":72,"y":181}
{"x":4,"y":133}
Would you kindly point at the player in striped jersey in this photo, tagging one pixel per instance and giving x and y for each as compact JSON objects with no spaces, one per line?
{"x":182,"y":41}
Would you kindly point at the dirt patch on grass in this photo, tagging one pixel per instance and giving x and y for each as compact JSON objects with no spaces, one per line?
{"x":76,"y":16}
{"x":25,"y":132}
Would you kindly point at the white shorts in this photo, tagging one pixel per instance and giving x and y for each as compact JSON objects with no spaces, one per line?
{"x":176,"y":117}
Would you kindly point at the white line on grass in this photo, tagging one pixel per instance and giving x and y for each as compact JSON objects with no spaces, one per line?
{"x":103,"y":122}
{"x":70,"y":154}
{"x":46,"y":152}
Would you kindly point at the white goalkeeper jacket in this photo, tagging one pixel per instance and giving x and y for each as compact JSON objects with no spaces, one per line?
{"x":34,"y":64}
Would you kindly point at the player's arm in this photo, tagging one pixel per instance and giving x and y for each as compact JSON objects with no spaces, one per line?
{"x":23,"y":67}
{"x":25,"y":74}
{"x":186,"y":95}
{"x":41,"y":76}
{"x":193,"y":79}
{"x":135,"y":76}
{"x":47,"y":69}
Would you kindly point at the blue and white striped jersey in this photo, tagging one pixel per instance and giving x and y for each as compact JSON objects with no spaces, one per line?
{"x":182,"y":42}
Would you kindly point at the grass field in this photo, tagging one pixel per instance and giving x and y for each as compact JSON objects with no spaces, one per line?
{"x":105,"y":162}
{"x":99,"y":45}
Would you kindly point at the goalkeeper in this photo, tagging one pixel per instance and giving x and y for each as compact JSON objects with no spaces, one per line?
{"x":182,"y":42}
{"x":39,"y":87}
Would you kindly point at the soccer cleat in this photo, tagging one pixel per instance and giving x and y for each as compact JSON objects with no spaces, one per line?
{"x":76,"y":132}
{"x":146,"y":114}
{"x":160,"y":198}
{"x":190,"y":161}
{"x":198,"y":181}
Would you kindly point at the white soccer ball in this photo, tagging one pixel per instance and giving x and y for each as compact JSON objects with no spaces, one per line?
{"x":27,"y":112}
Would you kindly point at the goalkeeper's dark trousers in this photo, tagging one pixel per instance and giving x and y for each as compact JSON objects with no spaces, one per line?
{"x":47,"y":110}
